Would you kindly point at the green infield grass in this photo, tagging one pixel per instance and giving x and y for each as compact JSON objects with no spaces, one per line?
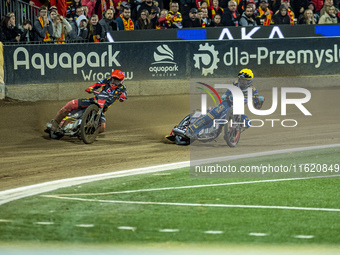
{"x":171,"y":207}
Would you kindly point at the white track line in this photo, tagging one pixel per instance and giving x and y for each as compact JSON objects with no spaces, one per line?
{"x":258,"y":234}
{"x":17,"y":193}
{"x":214,"y":232}
{"x":304,"y":236}
{"x":126,"y":228}
{"x":169,"y":230}
{"x":3,"y":220}
{"x":44,"y":223}
{"x":85,"y":225}
{"x":199,"y":186}
{"x":200,"y":205}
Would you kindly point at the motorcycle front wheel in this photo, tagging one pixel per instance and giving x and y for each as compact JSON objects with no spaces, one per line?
{"x":185,"y":122}
{"x":232,"y":130}
{"x":90,"y":124}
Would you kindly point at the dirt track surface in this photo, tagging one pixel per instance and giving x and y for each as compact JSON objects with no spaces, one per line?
{"x":135,"y":137}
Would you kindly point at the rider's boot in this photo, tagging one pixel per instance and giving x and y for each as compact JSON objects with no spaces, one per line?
{"x":57,"y":119}
{"x":102,"y":128}
{"x":246,"y":122}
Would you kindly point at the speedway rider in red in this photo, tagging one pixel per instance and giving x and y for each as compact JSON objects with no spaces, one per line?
{"x":111,"y":90}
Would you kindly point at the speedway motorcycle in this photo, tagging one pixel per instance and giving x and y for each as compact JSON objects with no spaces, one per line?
{"x":232,"y":127}
{"x":229,"y":124}
{"x":82,"y":123}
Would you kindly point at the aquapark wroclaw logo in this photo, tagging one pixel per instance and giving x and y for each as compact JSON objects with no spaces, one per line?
{"x":207,"y":59}
{"x":164,"y":64}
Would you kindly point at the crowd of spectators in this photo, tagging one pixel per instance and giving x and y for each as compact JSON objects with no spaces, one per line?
{"x":92,"y":20}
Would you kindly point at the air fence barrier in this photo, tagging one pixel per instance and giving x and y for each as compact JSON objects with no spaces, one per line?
{"x":61,"y":72}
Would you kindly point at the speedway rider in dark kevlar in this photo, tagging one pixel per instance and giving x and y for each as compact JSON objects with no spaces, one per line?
{"x":111,"y":90}
{"x":245,"y":78}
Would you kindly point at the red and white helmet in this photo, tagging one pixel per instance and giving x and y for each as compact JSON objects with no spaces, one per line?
{"x":118,"y":75}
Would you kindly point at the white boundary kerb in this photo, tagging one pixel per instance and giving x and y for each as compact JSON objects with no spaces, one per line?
{"x":17,"y":193}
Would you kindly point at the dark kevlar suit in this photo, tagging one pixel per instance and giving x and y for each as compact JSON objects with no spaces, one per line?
{"x":205,"y":121}
{"x":107,"y":96}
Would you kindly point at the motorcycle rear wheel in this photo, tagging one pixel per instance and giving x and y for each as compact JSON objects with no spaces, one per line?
{"x":232,"y":132}
{"x":90,"y":124}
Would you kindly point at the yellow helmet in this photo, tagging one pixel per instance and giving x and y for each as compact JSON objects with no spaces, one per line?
{"x":245,"y":77}
{"x":246,"y":74}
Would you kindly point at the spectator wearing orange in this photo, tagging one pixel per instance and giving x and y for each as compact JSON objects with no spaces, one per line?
{"x":42,"y":26}
{"x":263,"y":14}
{"x":215,"y":9}
{"x":290,"y":11}
{"x":61,"y":28}
{"x":163,"y":20}
{"x":175,"y":17}
{"x":124,"y":20}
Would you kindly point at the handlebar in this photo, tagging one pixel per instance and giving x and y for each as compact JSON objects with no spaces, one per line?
{"x":224,"y":97}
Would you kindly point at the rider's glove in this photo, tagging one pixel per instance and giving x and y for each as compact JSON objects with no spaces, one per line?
{"x":227,"y":98}
{"x":89,"y":90}
{"x":122,"y":97}
{"x":259,"y":102}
